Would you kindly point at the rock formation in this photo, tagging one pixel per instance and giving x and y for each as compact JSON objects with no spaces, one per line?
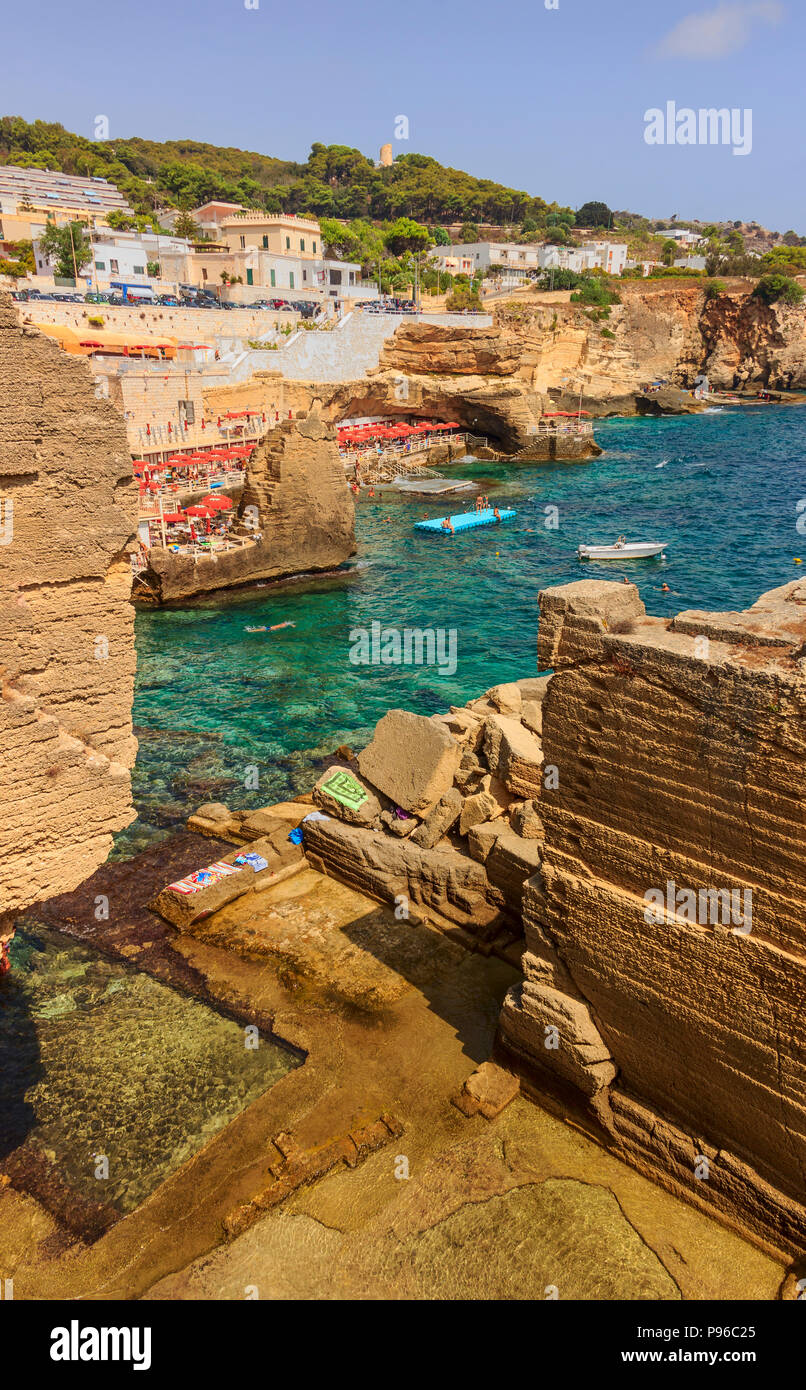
{"x":450,"y":828}
{"x":638,"y":816}
{"x":69,"y":509}
{"x":665,"y":965}
{"x":297,"y":498}
{"x":660,"y":330}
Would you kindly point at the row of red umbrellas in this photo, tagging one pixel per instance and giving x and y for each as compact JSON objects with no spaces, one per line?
{"x":235,"y":454}
{"x":207,"y":508}
{"x":359,"y":434}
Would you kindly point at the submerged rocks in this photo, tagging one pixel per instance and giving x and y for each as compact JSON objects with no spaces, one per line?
{"x":411,"y":759}
{"x":487,"y":1092}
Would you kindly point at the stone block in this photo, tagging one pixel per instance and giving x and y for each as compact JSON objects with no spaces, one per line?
{"x":439,"y":820}
{"x":507,"y":699}
{"x":487,"y":1092}
{"x":482,"y":837}
{"x":513,"y":754}
{"x":183,"y":910}
{"x":411,"y":759}
{"x":342,"y":794}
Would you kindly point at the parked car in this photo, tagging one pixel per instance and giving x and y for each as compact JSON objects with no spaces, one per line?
{"x":169,"y":300}
{"x":94,"y":298}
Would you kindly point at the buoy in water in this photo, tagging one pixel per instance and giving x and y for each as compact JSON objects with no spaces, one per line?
{"x":797,"y":560}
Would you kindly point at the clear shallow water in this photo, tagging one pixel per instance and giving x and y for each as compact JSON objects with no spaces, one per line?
{"x":99,"y":1059}
{"x":218,"y":708}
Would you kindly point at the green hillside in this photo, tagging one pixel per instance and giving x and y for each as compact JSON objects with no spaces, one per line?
{"x":335,"y":181}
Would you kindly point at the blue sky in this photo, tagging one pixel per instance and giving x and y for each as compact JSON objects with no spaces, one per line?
{"x":547,"y":99}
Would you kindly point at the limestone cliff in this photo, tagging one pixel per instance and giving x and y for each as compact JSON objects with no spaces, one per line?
{"x":678,"y":752}
{"x":661,"y":329}
{"x":297,"y":498}
{"x":69,"y":509}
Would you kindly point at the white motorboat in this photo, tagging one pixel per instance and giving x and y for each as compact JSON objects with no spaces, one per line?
{"x":621,"y":550}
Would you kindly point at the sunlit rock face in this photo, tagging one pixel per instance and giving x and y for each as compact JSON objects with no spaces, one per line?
{"x":665,"y":962}
{"x":295,"y":500}
{"x":69,"y":509}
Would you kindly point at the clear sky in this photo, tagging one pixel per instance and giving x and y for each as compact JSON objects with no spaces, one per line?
{"x":549,"y":99}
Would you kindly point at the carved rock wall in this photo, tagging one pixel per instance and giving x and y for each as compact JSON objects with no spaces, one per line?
{"x":680,"y":751}
{"x":67,"y":636}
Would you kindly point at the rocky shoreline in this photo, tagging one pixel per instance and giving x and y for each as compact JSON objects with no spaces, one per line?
{"x":484,"y":823}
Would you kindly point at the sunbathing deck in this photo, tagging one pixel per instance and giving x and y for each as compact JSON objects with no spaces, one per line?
{"x":464,"y":521}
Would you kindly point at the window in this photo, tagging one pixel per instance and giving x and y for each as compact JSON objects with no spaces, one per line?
{"x":291,"y":280}
{"x":288,"y":243}
{"x":249,"y":278}
{"x":204,"y":273}
{"x":304,"y":274}
{"x":335,"y":277}
{"x":243,"y":243}
{"x":138,"y":270}
{"x":313,"y":247}
{"x":273,"y":281}
{"x":265,"y":243}
{"x":113,"y":266}
{"x":302,"y":243}
{"x":100,"y":265}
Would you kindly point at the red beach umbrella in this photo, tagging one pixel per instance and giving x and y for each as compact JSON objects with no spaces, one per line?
{"x":198,"y":510}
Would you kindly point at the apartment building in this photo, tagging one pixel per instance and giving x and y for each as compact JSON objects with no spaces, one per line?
{"x":30,"y":198}
{"x":609,"y":256}
{"x":120,"y":256}
{"x":299,"y":275}
{"x":480,"y":255}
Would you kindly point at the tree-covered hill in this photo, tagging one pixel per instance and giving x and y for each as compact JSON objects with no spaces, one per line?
{"x":335,"y":181}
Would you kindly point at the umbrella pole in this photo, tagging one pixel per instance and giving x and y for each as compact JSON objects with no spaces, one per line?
{"x":162,"y":524}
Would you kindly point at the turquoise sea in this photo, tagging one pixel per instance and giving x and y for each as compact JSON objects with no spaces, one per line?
{"x":226,"y":715}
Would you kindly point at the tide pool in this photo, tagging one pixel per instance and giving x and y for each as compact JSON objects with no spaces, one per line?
{"x":227,"y":715}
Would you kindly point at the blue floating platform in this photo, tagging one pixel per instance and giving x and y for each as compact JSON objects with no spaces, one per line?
{"x":464,"y":521}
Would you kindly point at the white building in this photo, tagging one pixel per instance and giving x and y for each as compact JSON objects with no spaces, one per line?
{"x":120,"y":256}
{"x":480,"y":255}
{"x":682,"y":235}
{"x":450,"y":264}
{"x":517,"y":261}
{"x":610,"y":256}
{"x":266,"y":274}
